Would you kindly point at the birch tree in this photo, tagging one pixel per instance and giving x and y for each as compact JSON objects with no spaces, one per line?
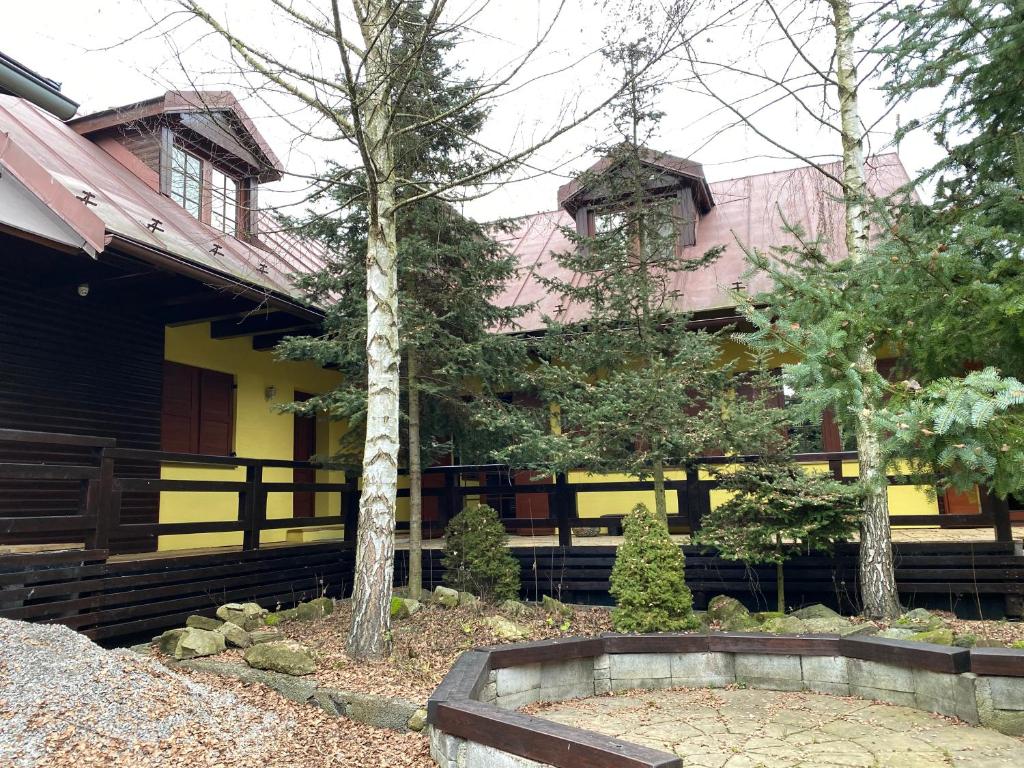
{"x":807,"y":312}
{"x":366,"y":55}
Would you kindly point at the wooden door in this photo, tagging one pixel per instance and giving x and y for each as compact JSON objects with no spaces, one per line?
{"x":304,"y":502}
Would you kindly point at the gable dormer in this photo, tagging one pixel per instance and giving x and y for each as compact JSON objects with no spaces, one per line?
{"x":675,"y":181}
{"x":198,"y":148}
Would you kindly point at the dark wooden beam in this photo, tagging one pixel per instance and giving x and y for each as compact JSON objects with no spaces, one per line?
{"x":257,"y":323}
{"x":264,"y":341}
{"x":220,"y":307}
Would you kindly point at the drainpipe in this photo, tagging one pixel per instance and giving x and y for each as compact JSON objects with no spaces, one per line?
{"x":28,"y":85}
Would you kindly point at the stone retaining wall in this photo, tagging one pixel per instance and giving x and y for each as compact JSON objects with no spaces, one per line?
{"x":474,"y":725}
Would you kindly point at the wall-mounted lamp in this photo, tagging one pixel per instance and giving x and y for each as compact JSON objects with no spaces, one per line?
{"x":83,"y":290}
{"x":270,"y":393}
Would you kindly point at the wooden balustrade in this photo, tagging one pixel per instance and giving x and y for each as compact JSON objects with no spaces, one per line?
{"x":97,"y":519}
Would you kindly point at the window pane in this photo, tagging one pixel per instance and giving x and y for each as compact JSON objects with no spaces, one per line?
{"x":224,"y":197}
{"x":186,"y":180}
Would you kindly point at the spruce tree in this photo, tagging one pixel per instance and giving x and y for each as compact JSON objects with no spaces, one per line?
{"x":955,"y":291}
{"x":450,"y":270}
{"x":773,"y":503}
{"x":632,"y":388}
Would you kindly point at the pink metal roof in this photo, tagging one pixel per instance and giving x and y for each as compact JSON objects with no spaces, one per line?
{"x":748,"y":209}
{"x":127,"y":206}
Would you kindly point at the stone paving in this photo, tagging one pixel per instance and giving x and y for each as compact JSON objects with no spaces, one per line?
{"x":745,"y":728}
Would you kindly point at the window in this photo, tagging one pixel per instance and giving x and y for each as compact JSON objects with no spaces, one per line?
{"x":197,"y":413}
{"x":186,"y":181}
{"x":223,"y":202}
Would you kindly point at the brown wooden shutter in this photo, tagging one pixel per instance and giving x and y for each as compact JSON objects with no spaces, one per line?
{"x":179,"y":413}
{"x":216,"y":412}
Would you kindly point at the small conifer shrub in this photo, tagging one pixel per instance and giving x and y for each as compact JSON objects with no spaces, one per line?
{"x":649,"y":579}
{"x":475,"y":556}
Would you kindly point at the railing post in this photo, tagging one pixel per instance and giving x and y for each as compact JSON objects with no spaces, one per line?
{"x":449,"y":498}
{"x":350,"y":508}
{"x":698,"y":499}
{"x":99,"y":498}
{"x":252,"y":507}
{"x":564,"y":499}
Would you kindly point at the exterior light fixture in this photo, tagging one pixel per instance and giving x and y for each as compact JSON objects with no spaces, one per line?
{"x":83,"y":290}
{"x":270,"y":393}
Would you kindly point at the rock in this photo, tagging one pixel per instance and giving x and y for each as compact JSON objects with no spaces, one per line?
{"x":259,"y":636}
{"x":555,"y":607}
{"x":418,"y":721}
{"x":730,"y":613}
{"x":1018,"y":644}
{"x":248,"y":616}
{"x":234,"y":635}
{"x":513,"y":608}
{"x":897,"y":633}
{"x":940,"y":636}
{"x":404,"y":607}
{"x":203,"y":622}
{"x":195,"y":642}
{"x":816,"y":611}
{"x":168,"y":641}
{"x":314,"y":609}
{"x":785,"y":625}
{"x":469,"y":600}
{"x":505,"y":629}
{"x":447,"y":598}
{"x":285,"y":656}
{"x":919,"y":619}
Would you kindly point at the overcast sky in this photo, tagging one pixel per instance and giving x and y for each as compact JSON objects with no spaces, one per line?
{"x":102,"y":54}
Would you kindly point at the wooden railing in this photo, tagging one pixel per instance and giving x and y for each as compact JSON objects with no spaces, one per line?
{"x":98,"y":519}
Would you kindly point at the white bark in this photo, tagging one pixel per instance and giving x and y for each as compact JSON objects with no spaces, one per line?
{"x":415,"y":480}
{"x":879,"y":597}
{"x":370,"y":634}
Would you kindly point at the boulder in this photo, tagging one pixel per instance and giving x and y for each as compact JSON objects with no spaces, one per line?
{"x":195,"y":642}
{"x":730,"y":613}
{"x":941,"y":636}
{"x":784,"y":625}
{"x":234,"y":635}
{"x":203,"y":622}
{"x":918,"y":619}
{"x":168,"y":641}
{"x":897,"y":633}
{"x":816,"y":611}
{"x":314,"y":609}
{"x":248,"y":616}
{"x":403,"y":607}
{"x":555,"y":607}
{"x":259,"y":636}
{"x":418,"y":721}
{"x":447,"y":598}
{"x":505,"y":629}
{"x":286,"y":656}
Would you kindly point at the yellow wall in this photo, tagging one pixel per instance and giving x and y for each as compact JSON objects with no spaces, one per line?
{"x":260,"y":432}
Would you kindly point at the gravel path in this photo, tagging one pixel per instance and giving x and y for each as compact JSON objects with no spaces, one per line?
{"x":64,"y":701}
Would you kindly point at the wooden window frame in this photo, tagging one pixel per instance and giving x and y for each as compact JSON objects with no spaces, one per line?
{"x":245,"y":186}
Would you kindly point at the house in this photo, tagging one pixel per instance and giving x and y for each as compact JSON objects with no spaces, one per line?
{"x":145,"y":290}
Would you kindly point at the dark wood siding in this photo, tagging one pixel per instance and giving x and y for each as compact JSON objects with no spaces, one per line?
{"x":70,"y":364}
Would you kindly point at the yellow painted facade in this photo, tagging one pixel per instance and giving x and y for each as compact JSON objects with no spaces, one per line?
{"x":261,"y":431}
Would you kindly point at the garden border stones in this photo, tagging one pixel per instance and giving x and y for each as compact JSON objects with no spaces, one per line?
{"x":473,"y":722}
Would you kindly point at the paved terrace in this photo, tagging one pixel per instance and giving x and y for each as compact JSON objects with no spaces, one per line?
{"x":746,"y":728}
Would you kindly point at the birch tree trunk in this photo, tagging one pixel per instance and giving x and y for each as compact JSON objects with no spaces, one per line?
{"x":879,"y":597}
{"x":370,"y":634}
{"x":415,"y":479}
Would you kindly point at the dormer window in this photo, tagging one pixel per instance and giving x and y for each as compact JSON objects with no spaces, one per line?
{"x":187,"y":181}
{"x":203,"y":190}
{"x":223,"y":202}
